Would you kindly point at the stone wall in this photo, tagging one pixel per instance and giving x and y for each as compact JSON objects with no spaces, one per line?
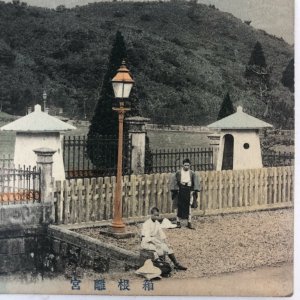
{"x":25,"y":214}
{"x":22,"y":236}
{"x":20,"y":248}
{"x":83,"y":251}
{"x":181,"y":128}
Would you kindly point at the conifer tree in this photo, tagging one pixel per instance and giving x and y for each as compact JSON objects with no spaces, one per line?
{"x":257,"y":66}
{"x":226,"y":107}
{"x":258,"y":73}
{"x":288,"y":76}
{"x":257,"y":56}
{"x":105,"y":120}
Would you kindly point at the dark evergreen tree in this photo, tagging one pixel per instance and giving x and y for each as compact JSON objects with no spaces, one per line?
{"x":257,"y":56}
{"x":257,"y":66}
{"x":258,"y":74}
{"x":226,"y":107}
{"x":288,"y":76}
{"x":105,"y":120}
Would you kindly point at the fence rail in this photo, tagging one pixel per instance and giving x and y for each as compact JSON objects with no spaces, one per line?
{"x":89,"y":200}
{"x":20,"y":185}
{"x":77,"y":160}
{"x":170,"y":160}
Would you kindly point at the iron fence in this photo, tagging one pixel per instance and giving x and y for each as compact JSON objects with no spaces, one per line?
{"x":20,"y":185}
{"x":95,"y":157}
{"x":277,"y":159}
{"x":170,"y":160}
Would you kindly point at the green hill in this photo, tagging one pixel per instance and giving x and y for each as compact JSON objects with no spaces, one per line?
{"x":184,"y":58}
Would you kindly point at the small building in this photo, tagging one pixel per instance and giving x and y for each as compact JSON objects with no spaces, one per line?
{"x":239,"y":146}
{"x":38,"y":130}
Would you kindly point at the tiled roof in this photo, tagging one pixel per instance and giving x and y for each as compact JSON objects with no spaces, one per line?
{"x":38,"y":121}
{"x":239,"y":120}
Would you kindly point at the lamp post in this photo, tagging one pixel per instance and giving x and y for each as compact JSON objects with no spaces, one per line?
{"x":122,"y":84}
{"x":44,"y":98}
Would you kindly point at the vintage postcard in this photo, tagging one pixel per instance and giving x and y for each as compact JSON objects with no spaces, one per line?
{"x":147,"y":148}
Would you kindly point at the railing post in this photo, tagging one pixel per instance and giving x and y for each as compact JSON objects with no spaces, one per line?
{"x":44,"y":163}
{"x":137,"y":133}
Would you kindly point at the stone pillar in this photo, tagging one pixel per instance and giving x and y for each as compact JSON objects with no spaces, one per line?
{"x":214,"y":143}
{"x":45,"y":163}
{"x":137,"y":133}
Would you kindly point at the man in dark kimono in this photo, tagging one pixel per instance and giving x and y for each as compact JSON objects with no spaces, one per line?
{"x":184,"y":187}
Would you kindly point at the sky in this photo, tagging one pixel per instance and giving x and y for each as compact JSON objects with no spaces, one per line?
{"x":274,"y":16}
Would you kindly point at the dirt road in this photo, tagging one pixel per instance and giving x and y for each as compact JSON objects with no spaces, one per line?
{"x":264,"y":281}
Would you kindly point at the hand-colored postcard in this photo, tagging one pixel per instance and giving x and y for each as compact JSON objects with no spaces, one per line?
{"x":147,"y":147}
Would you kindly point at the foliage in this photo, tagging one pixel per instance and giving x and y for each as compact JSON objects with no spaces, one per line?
{"x":183,"y":57}
{"x":148,"y":156}
{"x":105,"y":119}
{"x":259,"y":74}
{"x":226,"y":107}
{"x":288,"y":76}
{"x":257,"y":56}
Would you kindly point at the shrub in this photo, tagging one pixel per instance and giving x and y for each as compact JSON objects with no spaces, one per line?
{"x":145,"y":17}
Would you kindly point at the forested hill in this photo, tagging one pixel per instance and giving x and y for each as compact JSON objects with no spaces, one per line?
{"x":184,"y":58}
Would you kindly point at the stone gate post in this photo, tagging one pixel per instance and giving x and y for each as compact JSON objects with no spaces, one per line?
{"x":137,"y":133}
{"x":214,"y":144}
{"x":45,"y":163}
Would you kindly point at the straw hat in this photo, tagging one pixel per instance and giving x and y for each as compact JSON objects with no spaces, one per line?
{"x":148,"y":270}
{"x":166,"y":223}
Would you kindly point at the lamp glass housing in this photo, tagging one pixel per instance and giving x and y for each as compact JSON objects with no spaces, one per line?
{"x":122,"y":89}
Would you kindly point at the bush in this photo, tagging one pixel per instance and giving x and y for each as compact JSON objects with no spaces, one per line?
{"x":145,"y":17}
{"x":119,"y":14}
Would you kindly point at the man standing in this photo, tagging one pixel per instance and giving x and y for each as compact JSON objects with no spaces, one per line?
{"x":153,"y":238}
{"x":184,"y":187}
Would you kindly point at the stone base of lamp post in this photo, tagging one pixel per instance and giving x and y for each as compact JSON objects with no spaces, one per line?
{"x":119,"y":233}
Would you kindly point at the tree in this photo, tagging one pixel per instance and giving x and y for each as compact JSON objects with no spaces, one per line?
{"x":226,"y":107}
{"x":288,"y":76}
{"x":16,"y":2}
{"x":257,"y":56}
{"x":105,"y":120}
{"x":258,"y":74}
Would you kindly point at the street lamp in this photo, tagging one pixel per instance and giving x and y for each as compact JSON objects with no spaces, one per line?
{"x":122,"y":84}
{"x":44,"y":98}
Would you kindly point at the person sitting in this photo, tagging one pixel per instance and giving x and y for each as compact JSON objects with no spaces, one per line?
{"x":153,"y":238}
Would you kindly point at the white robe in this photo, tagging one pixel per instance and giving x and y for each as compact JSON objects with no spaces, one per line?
{"x":153,"y":238}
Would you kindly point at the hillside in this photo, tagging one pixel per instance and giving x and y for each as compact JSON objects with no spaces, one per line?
{"x":183,"y":56}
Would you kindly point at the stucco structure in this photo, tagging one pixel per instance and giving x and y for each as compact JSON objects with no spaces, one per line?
{"x":137,"y":133}
{"x":239,"y":146}
{"x":38,"y":130}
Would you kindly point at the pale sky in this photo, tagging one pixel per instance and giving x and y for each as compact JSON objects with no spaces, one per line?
{"x":274,"y":16}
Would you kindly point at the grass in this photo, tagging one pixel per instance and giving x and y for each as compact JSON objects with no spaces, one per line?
{"x":159,"y":139}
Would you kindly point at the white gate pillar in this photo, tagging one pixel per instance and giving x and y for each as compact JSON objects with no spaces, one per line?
{"x":45,"y":163}
{"x":137,"y":134}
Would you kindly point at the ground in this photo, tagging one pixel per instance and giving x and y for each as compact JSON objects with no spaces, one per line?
{"x":223,"y":244}
{"x":248,"y":254}
{"x":263,"y":281}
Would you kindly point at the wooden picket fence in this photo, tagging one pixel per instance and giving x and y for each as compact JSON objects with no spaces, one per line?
{"x":91,"y":199}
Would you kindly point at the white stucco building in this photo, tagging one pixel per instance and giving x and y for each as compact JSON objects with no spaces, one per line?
{"x":38,"y":130}
{"x":239,"y":146}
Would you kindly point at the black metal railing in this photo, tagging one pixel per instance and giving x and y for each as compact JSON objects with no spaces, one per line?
{"x":95,"y":157}
{"x":20,"y":185}
{"x":170,"y":160}
{"x":277,"y":159}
